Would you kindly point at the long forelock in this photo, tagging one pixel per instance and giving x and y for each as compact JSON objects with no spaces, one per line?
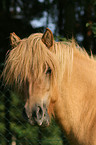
{"x":27,"y":58}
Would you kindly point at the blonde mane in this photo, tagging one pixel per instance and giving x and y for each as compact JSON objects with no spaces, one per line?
{"x":31,"y":55}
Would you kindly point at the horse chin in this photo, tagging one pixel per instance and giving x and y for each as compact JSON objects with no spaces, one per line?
{"x":40,"y":123}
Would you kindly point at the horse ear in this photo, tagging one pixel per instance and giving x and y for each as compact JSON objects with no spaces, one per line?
{"x":47,"y":38}
{"x":14,"y":39}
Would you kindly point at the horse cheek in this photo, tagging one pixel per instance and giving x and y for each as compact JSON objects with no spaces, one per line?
{"x":51,"y":109}
{"x":55,"y":94}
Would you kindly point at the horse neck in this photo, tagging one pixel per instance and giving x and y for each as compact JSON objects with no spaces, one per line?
{"x":75,"y":101}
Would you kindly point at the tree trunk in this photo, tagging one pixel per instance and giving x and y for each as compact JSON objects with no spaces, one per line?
{"x":88,"y":37}
{"x":60,"y":24}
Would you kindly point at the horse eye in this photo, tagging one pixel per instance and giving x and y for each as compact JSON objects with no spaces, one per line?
{"x":48,"y":71}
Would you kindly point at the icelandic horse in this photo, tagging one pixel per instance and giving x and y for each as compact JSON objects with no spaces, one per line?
{"x":57,"y":78}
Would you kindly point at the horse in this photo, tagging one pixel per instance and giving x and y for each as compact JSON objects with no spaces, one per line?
{"x":58,"y":79}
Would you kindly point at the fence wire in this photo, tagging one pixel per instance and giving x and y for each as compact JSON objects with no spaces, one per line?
{"x":14,"y":130}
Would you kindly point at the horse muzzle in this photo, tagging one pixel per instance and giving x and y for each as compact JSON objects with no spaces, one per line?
{"x":38,"y":116}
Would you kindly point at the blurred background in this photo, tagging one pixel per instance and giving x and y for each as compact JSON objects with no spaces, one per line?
{"x":66,"y":19}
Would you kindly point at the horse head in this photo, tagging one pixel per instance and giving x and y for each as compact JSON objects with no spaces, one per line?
{"x":37,"y":87}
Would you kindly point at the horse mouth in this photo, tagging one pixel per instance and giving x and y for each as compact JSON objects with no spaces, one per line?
{"x":39,"y":116}
{"x":43,"y":122}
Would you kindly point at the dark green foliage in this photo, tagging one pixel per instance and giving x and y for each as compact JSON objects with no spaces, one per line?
{"x":94,"y":29}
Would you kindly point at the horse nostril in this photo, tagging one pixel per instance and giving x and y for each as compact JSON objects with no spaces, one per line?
{"x":37,"y":113}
